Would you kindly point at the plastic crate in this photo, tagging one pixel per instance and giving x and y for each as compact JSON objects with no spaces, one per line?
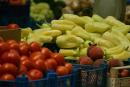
{"x":51,"y":80}
{"x":91,"y":76}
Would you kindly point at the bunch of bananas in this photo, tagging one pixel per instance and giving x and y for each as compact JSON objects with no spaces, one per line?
{"x":73,"y":34}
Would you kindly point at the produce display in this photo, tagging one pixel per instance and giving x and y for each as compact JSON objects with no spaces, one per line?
{"x":18,"y":58}
{"x":40,"y":12}
{"x":73,"y":33}
{"x":78,"y":7}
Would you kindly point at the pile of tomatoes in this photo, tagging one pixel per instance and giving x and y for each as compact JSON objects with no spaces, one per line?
{"x":18,"y":58}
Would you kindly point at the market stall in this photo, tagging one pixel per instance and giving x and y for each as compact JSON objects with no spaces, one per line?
{"x":64,"y":43}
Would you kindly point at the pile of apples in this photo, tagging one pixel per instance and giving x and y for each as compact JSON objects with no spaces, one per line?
{"x":94,"y":56}
{"x":18,"y":58}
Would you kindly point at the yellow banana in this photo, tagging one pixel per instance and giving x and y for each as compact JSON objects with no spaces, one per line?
{"x":97,"y":18}
{"x":122,"y":38}
{"x":74,"y":18}
{"x":53,"y":33}
{"x":62,"y":27}
{"x":116,"y":50}
{"x":96,"y":27}
{"x":80,"y":32}
{"x":122,"y":56}
{"x":110,"y":37}
{"x":123,"y":29}
{"x":87,"y":19}
{"x":103,"y":42}
{"x":67,"y":22}
{"x":128,"y":36}
{"x":113,"y":22}
{"x":68,"y":52}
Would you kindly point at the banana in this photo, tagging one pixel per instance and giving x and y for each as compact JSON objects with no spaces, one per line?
{"x":97,"y":18}
{"x":86,"y":43}
{"x":123,"y":29}
{"x":128,"y":36}
{"x":110,"y":37}
{"x":87,"y":19}
{"x":122,"y":56}
{"x":68,"y":52}
{"x":62,"y":27}
{"x":80,"y":32}
{"x":74,"y":18}
{"x":115,"y":47}
{"x":63,"y":22}
{"x":103,"y":42}
{"x":97,"y":27}
{"x":116,"y":50}
{"x":53,"y":33}
{"x":113,"y":21}
{"x":122,"y":38}
{"x":83,"y":52}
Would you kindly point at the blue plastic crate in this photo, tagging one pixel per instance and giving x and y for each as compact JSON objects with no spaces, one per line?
{"x":52,"y":80}
{"x":91,"y":76}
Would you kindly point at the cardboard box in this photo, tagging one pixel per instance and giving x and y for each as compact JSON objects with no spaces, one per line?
{"x":7,"y":34}
{"x":115,"y":81}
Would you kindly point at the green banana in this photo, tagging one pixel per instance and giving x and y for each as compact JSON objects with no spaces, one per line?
{"x":86,"y":43}
{"x":25,"y":32}
{"x":83,"y":52}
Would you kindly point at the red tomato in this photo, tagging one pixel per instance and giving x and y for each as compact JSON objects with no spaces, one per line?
{"x":46,"y":52}
{"x":35,"y":74}
{"x":9,"y":68}
{"x":23,"y":58}
{"x":24,"y":49}
{"x":22,"y":70}
{"x":1,"y":70}
{"x":69,"y":67}
{"x":14,"y":46}
{"x":37,"y":55}
{"x":34,"y":46}
{"x":11,"y":56}
{"x":13,"y":26}
{"x":39,"y":64}
{"x":27,"y":63}
{"x":124,"y":73}
{"x":7,"y":77}
{"x":59,"y":58}
{"x":11,"y":41}
{"x":51,"y":64}
{"x":3,"y":47}
{"x":61,"y":71}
